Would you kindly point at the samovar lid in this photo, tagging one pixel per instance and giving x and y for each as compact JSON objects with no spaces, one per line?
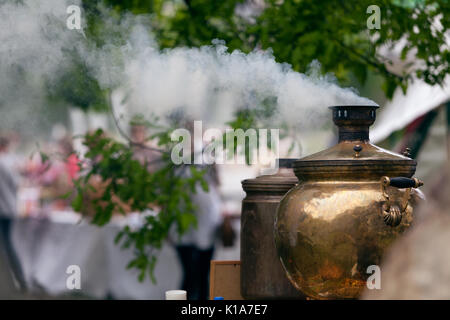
{"x":283,"y":180}
{"x":354,"y":156}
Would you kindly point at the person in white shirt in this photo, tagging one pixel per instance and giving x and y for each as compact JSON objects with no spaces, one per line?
{"x":196,"y":247}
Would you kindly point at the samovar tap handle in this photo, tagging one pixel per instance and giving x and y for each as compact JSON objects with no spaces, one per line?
{"x":392,"y":214}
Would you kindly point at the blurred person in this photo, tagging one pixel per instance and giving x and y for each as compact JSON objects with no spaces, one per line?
{"x":63,"y":167}
{"x":195,"y":248}
{"x":8,"y":211}
{"x":57,"y":177}
{"x":11,"y":158}
{"x":8,"y":182}
{"x":71,"y":161}
{"x":143,"y":150}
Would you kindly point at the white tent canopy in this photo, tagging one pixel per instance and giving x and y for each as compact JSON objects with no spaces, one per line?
{"x":403,"y":109}
{"x":420,"y":96}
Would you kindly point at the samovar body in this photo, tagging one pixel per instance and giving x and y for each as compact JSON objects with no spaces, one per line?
{"x":262,"y":275}
{"x":352,"y":201}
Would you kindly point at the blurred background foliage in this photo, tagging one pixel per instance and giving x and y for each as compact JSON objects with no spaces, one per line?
{"x":299,"y":31}
{"x":78,"y":88}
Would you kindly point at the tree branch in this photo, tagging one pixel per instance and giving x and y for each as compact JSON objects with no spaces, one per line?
{"x":124,"y":135}
{"x":379,"y":66}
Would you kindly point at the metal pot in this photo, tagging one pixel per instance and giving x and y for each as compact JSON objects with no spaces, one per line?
{"x":350,"y":204}
{"x":262,"y":276}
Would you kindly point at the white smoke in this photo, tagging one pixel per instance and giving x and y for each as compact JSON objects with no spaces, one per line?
{"x":33,"y":37}
{"x":211,"y":84}
{"x":208,"y":83}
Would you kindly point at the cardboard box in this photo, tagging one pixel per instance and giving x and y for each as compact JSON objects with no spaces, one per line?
{"x":225,"y":280}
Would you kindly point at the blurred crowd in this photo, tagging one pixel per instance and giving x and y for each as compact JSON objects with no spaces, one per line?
{"x":35,"y":184}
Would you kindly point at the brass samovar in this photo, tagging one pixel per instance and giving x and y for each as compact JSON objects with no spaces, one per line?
{"x":351,"y":202}
{"x":262,"y":276}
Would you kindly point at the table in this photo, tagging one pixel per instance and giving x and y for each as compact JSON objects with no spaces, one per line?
{"x":46,"y":247}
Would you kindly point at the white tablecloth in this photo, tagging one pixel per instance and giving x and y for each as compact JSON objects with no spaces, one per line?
{"x":46,"y":248}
